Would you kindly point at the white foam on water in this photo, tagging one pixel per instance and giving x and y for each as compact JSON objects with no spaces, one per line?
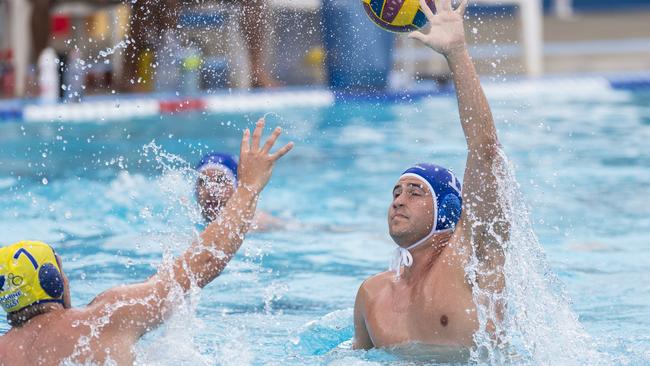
{"x":234,"y":350}
{"x":352,"y":361}
{"x":174,"y":343}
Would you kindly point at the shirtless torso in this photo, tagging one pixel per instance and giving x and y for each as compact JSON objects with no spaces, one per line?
{"x":435,"y":308}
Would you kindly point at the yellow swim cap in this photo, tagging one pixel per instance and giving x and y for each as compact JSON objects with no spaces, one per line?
{"x":29,"y":274}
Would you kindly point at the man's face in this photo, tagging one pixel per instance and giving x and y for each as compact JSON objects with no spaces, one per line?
{"x":213,"y":189}
{"x":410,"y":215}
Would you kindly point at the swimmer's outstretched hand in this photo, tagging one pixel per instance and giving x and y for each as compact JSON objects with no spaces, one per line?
{"x":444,"y":33}
{"x":255,"y":162}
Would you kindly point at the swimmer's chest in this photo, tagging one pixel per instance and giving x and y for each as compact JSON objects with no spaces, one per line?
{"x":438,"y":311}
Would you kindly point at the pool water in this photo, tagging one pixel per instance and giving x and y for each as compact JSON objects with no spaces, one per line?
{"x":115,"y":198}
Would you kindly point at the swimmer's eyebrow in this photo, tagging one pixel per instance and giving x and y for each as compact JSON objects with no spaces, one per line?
{"x":410,"y":185}
{"x":419,"y":187}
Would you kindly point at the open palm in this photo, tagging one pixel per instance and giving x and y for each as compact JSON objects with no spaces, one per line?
{"x":445,"y":31}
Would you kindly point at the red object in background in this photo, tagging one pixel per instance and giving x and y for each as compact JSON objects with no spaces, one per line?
{"x":182,"y":105}
{"x":60,"y":25}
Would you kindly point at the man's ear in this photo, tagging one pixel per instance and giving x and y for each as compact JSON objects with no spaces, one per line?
{"x":66,"y":286}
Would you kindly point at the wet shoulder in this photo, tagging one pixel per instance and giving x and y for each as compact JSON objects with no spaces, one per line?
{"x":8,"y":354}
{"x":378,"y":282}
{"x":14,"y":348}
{"x":4,"y":348}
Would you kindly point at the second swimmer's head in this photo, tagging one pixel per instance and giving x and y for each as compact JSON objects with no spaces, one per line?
{"x":216,"y":183}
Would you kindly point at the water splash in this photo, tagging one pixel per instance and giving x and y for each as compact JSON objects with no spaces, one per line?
{"x":538,"y":324}
{"x":111,"y":50}
{"x":163,"y":346}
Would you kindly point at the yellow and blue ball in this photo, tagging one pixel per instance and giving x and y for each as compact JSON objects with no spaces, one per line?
{"x":397,"y":16}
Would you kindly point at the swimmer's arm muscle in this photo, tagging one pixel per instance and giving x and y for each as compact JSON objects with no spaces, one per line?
{"x":139,"y":308}
{"x":361,"y":338}
{"x":482,"y":224}
{"x":481,"y":227}
{"x":206,"y":259}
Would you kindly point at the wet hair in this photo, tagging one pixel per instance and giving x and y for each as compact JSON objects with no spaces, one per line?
{"x":22,"y":316}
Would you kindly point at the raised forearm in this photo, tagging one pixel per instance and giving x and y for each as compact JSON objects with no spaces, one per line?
{"x":475,"y":115}
{"x":483,"y":214}
{"x":227,"y":234}
{"x":218,"y":243}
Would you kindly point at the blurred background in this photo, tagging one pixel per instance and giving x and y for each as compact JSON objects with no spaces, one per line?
{"x":567,"y":81}
{"x":64,"y":50}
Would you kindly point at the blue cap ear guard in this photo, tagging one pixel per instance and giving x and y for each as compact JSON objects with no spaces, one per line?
{"x":50,"y":280}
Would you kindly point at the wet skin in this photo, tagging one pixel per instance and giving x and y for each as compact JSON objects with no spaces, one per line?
{"x":432,"y":302}
{"x":57,"y":334}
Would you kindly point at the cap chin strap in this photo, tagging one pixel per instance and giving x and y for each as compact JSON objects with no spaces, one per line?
{"x":402,"y":257}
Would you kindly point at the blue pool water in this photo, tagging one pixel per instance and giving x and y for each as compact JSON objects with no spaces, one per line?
{"x":113,"y":197}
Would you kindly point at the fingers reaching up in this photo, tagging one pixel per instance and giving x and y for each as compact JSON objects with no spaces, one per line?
{"x":245,"y":142}
{"x":271,"y":141}
{"x":442,"y":6}
{"x":427,"y":10}
{"x":255,"y":163}
{"x":462,"y":7}
{"x":257,"y":134}
{"x":282,"y":152}
{"x":254,"y":146}
{"x":445,"y":32}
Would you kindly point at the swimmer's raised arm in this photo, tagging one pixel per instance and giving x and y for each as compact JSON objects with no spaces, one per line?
{"x":205,"y":260}
{"x":482,"y":222}
{"x":136,"y":309}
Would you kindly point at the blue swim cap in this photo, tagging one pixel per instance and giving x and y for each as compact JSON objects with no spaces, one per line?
{"x":446,"y":191}
{"x":218,"y":160}
{"x":447,"y":205}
